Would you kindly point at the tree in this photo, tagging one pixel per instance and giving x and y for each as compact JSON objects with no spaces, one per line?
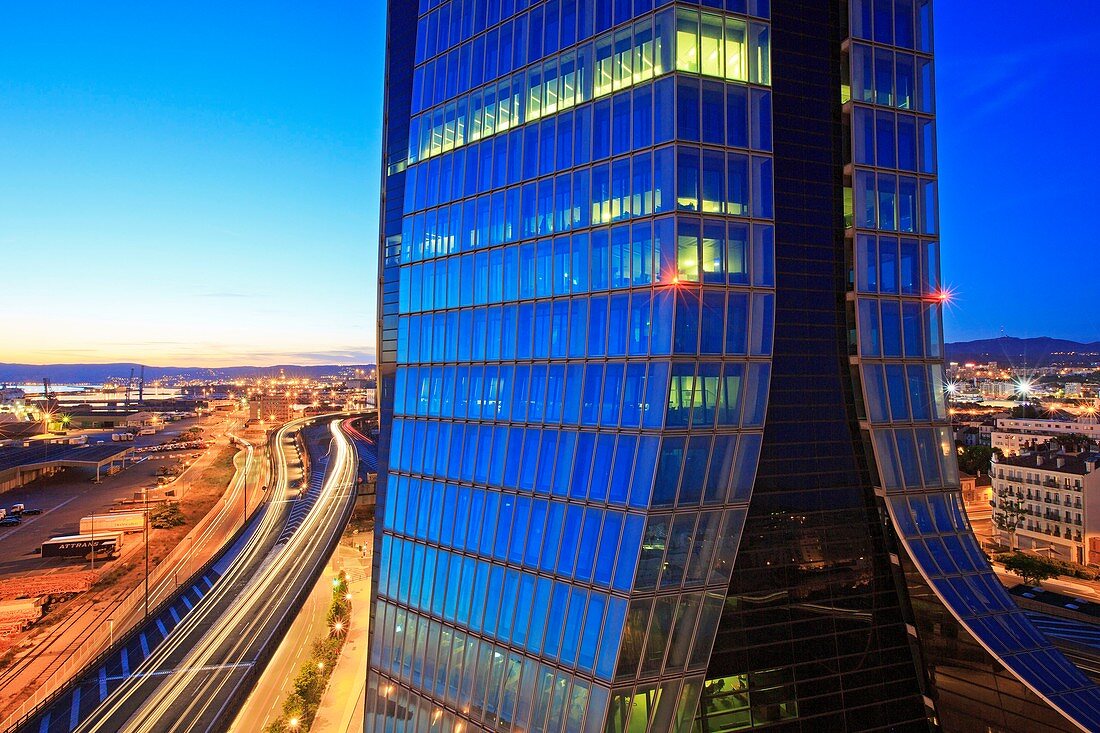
{"x":1033,"y":570}
{"x":975,"y":459}
{"x":1009,"y":515}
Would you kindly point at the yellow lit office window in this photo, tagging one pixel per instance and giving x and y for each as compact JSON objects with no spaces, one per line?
{"x":568,"y":89}
{"x":623,"y":55}
{"x":460,"y":131}
{"x":605,"y":74}
{"x":550,"y":96}
{"x":710,"y":38}
{"x":687,"y":259}
{"x":490,"y":119}
{"x":449,"y":132}
{"x":680,"y":392}
{"x":736,"y":52}
{"x":534,"y":96}
{"x":712,"y":259}
{"x":643,"y":56}
{"x":687,"y":41}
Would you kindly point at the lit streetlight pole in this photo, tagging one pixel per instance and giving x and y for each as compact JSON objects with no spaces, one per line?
{"x":145,"y":499}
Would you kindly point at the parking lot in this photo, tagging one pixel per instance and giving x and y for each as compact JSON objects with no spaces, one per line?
{"x":72,"y":494}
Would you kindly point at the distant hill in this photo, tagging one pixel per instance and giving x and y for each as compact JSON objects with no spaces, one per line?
{"x":1024,"y":352}
{"x":100,"y":373}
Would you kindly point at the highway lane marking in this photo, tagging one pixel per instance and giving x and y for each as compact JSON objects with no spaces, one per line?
{"x":163,"y":631}
{"x":167,"y":672}
{"x":144,"y":645}
{"x":176,"y":616}
{"x":186,"y":603}
{"x":125,"y":659}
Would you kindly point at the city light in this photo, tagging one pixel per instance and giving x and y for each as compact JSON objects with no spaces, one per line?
{"x":944,"y":295}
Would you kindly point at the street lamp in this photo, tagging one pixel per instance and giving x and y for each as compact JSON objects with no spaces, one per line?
{"x":145,"y":501}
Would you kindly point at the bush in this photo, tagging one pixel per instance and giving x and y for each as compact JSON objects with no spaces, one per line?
{"x":167,"y":516}
{"x":1032,"y":569}
{"x":309,"y":685}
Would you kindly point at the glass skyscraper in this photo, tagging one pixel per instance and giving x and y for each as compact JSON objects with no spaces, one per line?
{"x":664,"y":443}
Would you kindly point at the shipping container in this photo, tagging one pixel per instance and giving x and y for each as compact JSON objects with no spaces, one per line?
{"x":121,"y":522}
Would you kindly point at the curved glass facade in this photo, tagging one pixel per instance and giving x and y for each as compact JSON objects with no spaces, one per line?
{"x":895,"y":298}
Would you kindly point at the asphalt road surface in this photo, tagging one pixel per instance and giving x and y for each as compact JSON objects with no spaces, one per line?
{"x":204,"y":669}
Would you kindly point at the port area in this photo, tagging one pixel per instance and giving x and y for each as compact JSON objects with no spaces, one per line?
{"x":84,"y":603}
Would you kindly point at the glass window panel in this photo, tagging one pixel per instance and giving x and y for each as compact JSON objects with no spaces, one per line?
{"x":688,"y":179}
{"x":710,"y":52}
{"x":884,"y":77}
{"x":887,"y":202}
{"x":687,"y":109}
{"x":687,"y":41}
{"x":713,"y":110}
{"x":737,"y":199}
{"x":712,"y":333}
{"x":885,"y":137}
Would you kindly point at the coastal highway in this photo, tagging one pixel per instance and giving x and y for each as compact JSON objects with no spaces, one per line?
{"x":196,"y":677}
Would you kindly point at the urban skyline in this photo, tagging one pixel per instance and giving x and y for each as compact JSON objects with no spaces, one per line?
{"x":242,"y":159}
{"x":617,"y":366}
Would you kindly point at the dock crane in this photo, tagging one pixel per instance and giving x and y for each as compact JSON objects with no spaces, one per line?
{"x":129,"y":388}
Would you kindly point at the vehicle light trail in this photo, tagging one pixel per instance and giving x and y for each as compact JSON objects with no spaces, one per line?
{"x":191,"y":681}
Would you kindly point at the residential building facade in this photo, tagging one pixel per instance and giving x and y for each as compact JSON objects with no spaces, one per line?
{"x":664,"y":444}
{"x":1014,"y":435}
{"x":1055,"y":492}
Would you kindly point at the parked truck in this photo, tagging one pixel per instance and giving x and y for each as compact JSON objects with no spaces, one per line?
{"x":122,"y":437}
{"x":105,"y":544}
{"x":117,"y":522}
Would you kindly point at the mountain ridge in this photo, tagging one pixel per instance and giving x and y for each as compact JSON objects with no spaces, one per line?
{"x":1024,"y":352}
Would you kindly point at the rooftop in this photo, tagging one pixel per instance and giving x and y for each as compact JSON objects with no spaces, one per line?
{"x":67,"y":455}
{"x":1080,"y":464}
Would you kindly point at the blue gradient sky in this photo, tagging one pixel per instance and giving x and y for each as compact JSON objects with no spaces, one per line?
{"x":197,"y":183}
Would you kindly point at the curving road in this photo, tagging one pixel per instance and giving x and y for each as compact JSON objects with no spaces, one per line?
{"x":206,"y":666}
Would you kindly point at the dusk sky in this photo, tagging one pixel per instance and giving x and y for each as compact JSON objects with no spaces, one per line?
{"x":197,"y":184}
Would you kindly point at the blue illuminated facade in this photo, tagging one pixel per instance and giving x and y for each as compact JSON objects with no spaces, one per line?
{"x":598,"y":266}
